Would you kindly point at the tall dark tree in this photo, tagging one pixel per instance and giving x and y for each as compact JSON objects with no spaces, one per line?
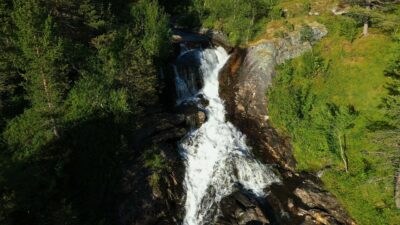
{"x":44,"y":75}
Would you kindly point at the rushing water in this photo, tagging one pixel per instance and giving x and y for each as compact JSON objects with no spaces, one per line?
{"x":216,"y":154}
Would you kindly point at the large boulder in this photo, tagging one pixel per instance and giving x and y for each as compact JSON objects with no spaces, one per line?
{"x":242,"y":208}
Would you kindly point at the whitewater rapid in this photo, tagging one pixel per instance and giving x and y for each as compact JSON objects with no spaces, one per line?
{"x":216,"y":155}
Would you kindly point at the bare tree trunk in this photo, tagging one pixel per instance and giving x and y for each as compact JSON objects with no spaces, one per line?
{"x":397,"y":189}
{"x":365,"y":30}
{"x":366,"y":22}
{"x":48,"y":98}
{"x":343,"y":154}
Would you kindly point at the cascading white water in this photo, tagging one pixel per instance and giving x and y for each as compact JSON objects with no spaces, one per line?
{"x":216,"y":154}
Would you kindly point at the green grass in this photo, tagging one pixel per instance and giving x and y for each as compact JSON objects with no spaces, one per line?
{"x":355,"y":77}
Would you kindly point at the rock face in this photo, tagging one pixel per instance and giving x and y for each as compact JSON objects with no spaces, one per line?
{"x":241,"y":208}
{"x":321,"y":205}
{"x":244,"y":82}
{"x":258,"y":68}
{"x":300,"y":199}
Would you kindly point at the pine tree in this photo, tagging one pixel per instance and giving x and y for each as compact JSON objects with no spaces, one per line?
{"x":44,"y":69}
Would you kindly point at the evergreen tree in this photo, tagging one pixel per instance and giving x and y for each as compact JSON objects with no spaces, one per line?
{"x":44,"y":74}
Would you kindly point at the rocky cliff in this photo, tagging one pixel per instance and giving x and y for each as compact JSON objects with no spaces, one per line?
{"x":244,"y":83}
{"x":300,"y":199}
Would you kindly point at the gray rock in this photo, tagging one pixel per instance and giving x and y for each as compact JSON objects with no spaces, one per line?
{"x":258,"y":69}
{"x":240,"y":208}
{"x":316,"y":199}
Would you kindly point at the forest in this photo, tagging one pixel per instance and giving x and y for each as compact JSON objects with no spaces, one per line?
{"x":79,"y":77}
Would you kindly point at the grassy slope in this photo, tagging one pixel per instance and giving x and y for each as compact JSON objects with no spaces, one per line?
{"x":355,"y":78}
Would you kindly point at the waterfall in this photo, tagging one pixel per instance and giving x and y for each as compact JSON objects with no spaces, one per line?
{"x":216,"y":155}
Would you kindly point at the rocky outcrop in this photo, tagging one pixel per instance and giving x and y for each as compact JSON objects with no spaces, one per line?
{"x":258,"y":69}
{"x":300,"y":198}
{"x":241,"y":208}
{"x":322,"y":206}
{"x":244,"y":82}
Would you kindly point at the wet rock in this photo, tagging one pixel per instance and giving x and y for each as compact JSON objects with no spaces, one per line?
{"x":202,"y":101}
{"x":195,"y":116}
{"x":217,"y":38}
{"x":240,"y":208}
{"x":201,"y":117}
{"x":196,"y":119}
{"x":180,"y":36}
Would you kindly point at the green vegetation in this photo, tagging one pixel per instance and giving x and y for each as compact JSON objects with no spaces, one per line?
{"x":342,"y":114}
{"x":240,"y":20}
{"x":76,"y":77}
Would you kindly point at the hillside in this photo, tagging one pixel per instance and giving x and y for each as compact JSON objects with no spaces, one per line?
{"x":345,"y":71}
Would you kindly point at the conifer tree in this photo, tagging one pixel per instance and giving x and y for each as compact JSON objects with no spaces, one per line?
{"x":44,"y":74}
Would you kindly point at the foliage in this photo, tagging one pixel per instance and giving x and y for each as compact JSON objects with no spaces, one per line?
{"x":239,"y":19}
{"x":10,"y":99}
{"x":332,"y":97}
{"x":76,"y":77}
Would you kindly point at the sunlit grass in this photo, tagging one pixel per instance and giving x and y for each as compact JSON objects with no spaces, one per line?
{"x":355,"y":77}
